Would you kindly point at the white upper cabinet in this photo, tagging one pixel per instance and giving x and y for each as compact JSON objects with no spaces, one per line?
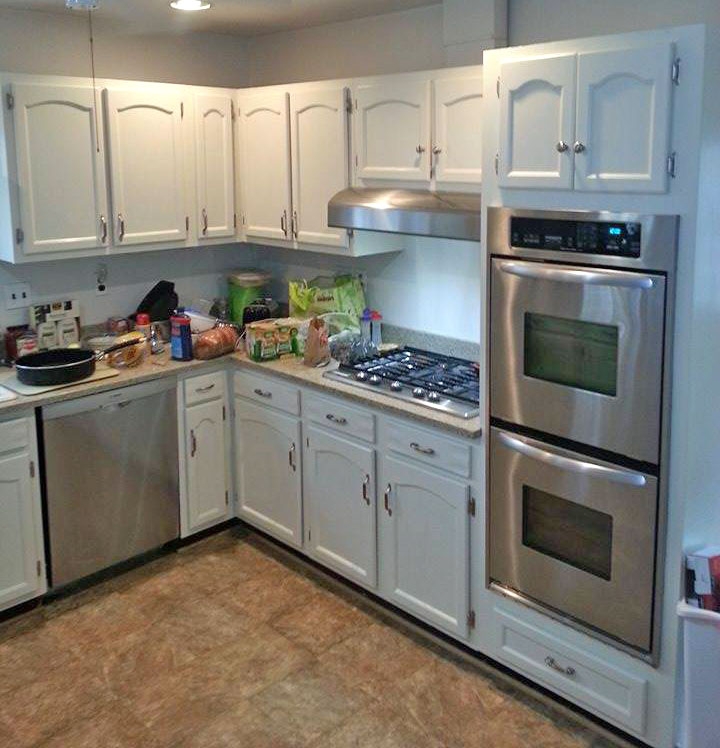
{"x":393,"y":130}
{"x":457,"y":131}
{"x":61,"y":168}
{"x":319,"y":146}
{"x":147,"y":165}
{"x":215,"y":167}
{"x":537,"y":122}
{"x":623,"y":119}
{"x":265,"y":165}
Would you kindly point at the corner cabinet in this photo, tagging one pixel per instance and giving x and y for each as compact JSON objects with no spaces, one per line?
{"x":595,"y":121}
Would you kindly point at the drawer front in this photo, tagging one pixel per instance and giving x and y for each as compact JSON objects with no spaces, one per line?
{"x":428,"y":447}
{"x":335,"y":415}
{"x":268,"y":391}
{"x":204,"y":387}
{"x":14,"y":435}
{"x":603,"y":689}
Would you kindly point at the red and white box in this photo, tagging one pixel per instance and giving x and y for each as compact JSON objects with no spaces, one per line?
{"x":705,"y":563}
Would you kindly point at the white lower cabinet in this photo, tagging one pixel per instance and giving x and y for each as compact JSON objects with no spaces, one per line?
{"x":424,"y":543}
{"x":339,"y":492}
{"x":268,"y":470}
{"x":22,"y":557}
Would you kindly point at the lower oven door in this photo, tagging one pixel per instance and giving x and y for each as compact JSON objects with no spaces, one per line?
{"x":574,"y":534}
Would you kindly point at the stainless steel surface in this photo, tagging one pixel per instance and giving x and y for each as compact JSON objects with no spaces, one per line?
{"x":450,"y":215}
{"x":620,"y":606}
{"x":420,"y":149}
{"x":291,"y":457}
{"x":112,"y":478}
{"x":578,"y":147}
{"x":103,"y":229}
{"x":386,"y":500}
{"x":610,"y":278}
{"x":121,"y":227}
{"x":561,"y":146}
{"x":553,"y":665}
{"x":366,"y":489}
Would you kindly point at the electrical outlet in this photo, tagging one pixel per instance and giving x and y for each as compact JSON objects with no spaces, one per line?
{"x":101,"y":274}
{"x":17,"y":296}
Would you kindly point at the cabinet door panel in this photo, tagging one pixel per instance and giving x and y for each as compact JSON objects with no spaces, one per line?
{"x":265,"y":171}
{"x":215,"y":169}
{"x":19,"y":579}
{"x":206,"y":467}
{"x":623,"y":119}
{"x":61,"y":168}
{"x":537,"y":113}
{"x":457,"y":140}
{"x":146,"y":166}
{"x":318,"y":132}
{"x":425,"y":548}
{"x":268,"y":471}
{"x":339,"y":480}
{"x":393,"y":120}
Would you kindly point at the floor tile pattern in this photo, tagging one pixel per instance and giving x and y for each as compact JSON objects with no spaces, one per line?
{"x":227,"y":643}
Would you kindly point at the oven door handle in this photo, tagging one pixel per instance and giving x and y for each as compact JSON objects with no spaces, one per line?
{"x":626,"y":477}
{"x":616,"y":278}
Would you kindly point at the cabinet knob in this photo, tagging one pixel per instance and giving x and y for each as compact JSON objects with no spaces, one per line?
{"x":578,"y":147}
{"x":561,"y":146}
{"x":436,"y":150}
{"x":420,"y":149}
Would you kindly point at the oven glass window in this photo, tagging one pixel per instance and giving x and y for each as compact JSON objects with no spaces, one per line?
{"x":567,"y":531}
{"x":571,"y":352}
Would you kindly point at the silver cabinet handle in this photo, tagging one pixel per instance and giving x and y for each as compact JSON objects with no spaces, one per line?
{"x":387,"y":500}
{"x":578,"y":147}
{"x":436,"y":150}
{"x":103,"y":229}
{"x":121,"y":227}
{"x":283,"y":223}
{"x":525,"y":447}
{"x":205,"y":389}
{"x":193,"y":444}
{"x":561,"y":146}
{"x":551,"y":663}
{"x":204,"y":214}
{"x":262,"y":393}
{"x":335,"y":419}
{"x":295,"y":224}
{"x":291,"y":458}
{"x":420,"y":149}
{"x":365,"y":489}
{"x":422,"y":450}
{"x":615,"y":278}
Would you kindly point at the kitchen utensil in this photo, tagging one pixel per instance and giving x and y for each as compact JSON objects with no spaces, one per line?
{"x":63,"y":365}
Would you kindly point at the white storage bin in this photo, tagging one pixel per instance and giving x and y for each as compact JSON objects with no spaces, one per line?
{"x":701,"y":677}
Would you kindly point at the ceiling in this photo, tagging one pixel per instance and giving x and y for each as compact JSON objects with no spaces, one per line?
{"x":237,"y":17}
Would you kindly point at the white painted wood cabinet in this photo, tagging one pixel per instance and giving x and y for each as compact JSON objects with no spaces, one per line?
{"x":22,"y":557}
{"x":339,"y":494}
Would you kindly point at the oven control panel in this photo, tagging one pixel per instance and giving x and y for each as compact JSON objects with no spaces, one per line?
{"x":585,"y":237}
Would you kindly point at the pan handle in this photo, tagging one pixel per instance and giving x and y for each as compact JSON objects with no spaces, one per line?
{"x":119,"y":346}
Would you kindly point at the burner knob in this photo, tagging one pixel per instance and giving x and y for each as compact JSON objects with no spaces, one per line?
{"x":434,"y":397}
{"x":361,"y":376}
{"x":375,"y":379}
{"x":396,"y":386}
{"x":419,"y":393}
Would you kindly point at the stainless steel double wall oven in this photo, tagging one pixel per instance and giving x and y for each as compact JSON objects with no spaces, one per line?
{"x":580,"y":330}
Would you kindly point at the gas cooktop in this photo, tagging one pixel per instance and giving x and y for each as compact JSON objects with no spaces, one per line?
{"x":447,"y":384}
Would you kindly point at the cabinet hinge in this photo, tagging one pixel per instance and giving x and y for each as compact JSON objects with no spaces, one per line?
{"x":471,"y":619}
{"x":39,"y":566}
{"x":32,"y":468}
{"x":497,"y":86}
{"x":497,"y":162}
{"x":348,"y":101}
{"x":472,"y":506}
{"x":19,"y":236}
{"x":671,"y":165}
{"x":187,"y":224}
{"x":10,"y":99}
{"x":182,"y":110}
{"x":675,"y":71}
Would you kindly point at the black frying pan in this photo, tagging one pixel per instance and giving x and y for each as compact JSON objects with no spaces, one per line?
{"x":63,"y":365}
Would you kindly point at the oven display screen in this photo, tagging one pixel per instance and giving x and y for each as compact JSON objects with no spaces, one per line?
{"x":585,"y":237}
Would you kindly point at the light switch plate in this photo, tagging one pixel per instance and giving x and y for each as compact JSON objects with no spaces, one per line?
{"x":17,"y":296}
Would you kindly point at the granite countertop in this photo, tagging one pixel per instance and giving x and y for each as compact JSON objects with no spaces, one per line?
{"x":291,"y":369}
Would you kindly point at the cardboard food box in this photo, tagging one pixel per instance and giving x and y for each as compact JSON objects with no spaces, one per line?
{"x":705,"y":565}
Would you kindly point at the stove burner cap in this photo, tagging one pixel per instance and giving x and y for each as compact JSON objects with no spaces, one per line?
{"x":396,"y":386}
{"x":419,"y":393}
{"x":375,"y":379}
{"x":361,"y":376}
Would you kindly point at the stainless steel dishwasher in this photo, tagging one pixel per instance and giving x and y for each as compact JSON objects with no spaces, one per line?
{"x":111,"y":473}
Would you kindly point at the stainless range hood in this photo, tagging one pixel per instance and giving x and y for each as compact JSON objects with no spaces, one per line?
{"x":447,"y":215}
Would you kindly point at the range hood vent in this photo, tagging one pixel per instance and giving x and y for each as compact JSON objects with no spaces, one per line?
{"x":446,"y":215}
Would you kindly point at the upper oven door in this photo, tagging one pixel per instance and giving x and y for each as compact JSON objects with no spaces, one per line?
{"x":577,"y":352}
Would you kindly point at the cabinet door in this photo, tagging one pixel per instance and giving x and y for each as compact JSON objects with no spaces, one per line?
{"x":20,"y":570}
{"x":215,"y":167}
{"x":339,"y":480}
{"x":319,"y":146}
{"x":207,"y":474}
{"x":537,"y":122}
{"x":268,"y":471}
{"x":61,"y":168}
{"x":393,"y":130}
{"x":424,"y":551}
{"x":623,"y":119}
{"x":265,"y":171}
{"x":146,"y":166}
{"x":457,"y":136}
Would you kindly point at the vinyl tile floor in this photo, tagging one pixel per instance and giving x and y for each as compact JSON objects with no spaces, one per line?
{"x":230,"y":642}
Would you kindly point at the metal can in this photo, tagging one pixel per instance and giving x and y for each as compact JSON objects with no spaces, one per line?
{"x":180,"y":338}
{"x":27,"y":343}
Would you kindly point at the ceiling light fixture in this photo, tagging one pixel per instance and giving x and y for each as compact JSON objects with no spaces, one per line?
{"x":81,"y":4}
{"x":190,"y":5}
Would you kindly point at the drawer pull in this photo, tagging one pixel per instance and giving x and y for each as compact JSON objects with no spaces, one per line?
{"x":291,"y":458}
{"x":422,"y":450}
{"x":365,"y":490}
{"x":193,"y":444}
{"x":387,"y":500}
{"x":551,"y":663}
{"x":262,"y":393}
{"x":334,"y":419}
{"x":205,"y":389}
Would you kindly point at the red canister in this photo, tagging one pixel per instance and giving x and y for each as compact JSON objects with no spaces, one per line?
{"x":180,"y":337}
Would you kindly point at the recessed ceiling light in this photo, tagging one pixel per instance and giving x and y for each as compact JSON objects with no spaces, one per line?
{"x":190,"y":5}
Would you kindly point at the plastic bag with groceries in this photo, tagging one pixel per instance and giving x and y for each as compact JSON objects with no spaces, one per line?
{"x":342,"y":293}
